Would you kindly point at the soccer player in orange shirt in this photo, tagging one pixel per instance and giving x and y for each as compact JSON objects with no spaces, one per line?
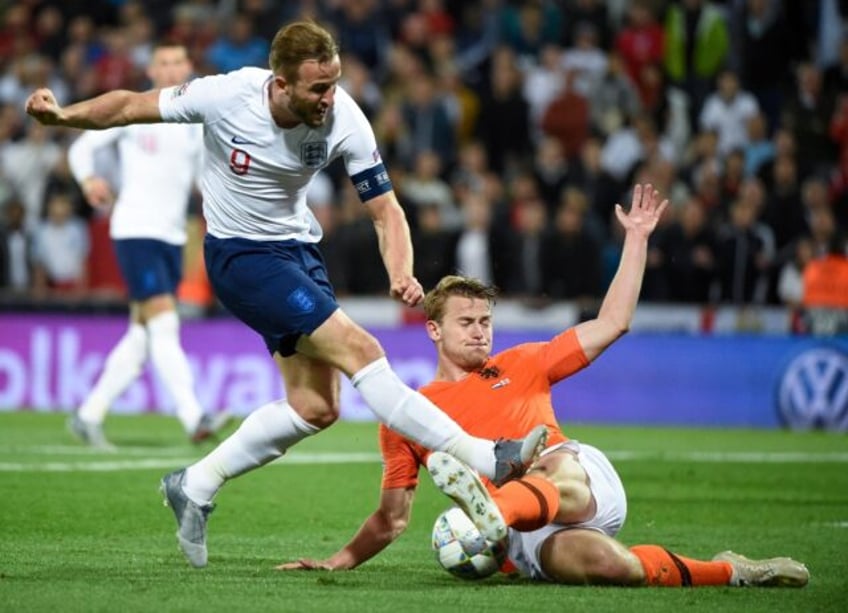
{"x":562,"y":516}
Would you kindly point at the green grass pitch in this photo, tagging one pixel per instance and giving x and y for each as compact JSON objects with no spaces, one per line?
{"x":86,"y":531}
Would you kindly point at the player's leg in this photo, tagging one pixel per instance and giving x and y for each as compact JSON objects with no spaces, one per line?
{"x":158,"y":275}
{"x":588,"y":557}
{"x":346,"y":345}
{"x":122,"y":366}
{"x":269,"y":431}
{"x":265,"y":435}
{"x":124,"y":363}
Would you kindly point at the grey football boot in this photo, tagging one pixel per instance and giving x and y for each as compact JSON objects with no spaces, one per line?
{"x":191,"y":518}
{"x":89,"y":433}
{"x":514,"y":457}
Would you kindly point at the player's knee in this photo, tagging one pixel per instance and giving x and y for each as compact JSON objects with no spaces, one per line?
{"x":611,"y":568}
{"x":321,"y":415}
{"x":364,"y":348}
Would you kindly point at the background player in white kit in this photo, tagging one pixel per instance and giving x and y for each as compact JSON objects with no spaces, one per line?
{"x":266,"y":133}
{"x":158,"y":165}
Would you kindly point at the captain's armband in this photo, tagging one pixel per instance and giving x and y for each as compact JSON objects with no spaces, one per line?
{"x":372,"y":182}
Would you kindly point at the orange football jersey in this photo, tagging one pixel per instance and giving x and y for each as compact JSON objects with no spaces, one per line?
{"x":506,"y":398}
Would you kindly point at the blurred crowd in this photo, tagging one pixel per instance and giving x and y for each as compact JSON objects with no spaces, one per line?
{"x":510,"y":130}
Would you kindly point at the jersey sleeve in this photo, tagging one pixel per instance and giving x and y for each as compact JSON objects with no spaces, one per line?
{"x":400,"y":460}
{"x":563,"y":356}
{"x":81,"y":153}
{"x":201,"y":100}
{"x":360,"y":150}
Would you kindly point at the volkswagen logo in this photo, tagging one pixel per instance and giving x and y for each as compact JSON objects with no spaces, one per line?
{"x":813,"y":391}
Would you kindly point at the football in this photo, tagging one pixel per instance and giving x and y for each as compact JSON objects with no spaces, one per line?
{"x":462,"y":550}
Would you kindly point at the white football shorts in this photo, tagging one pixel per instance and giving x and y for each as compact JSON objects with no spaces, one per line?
{"x":606,"y":487}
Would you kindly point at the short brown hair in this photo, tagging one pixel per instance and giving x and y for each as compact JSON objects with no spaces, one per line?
{"x":297,"y":42}
{"x":454,"y":285}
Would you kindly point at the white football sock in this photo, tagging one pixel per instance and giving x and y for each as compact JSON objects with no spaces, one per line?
{"x":122,"y":366}
{"x":265,"y":435}
{"x":406,"y":411}
{"x":172,"y":366}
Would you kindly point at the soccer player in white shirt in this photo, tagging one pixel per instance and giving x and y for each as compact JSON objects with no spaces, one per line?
{"x":158,"y":164}
{"x":266,"y":133}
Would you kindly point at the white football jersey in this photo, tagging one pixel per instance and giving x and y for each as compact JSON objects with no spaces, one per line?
{"x":255,"y":174}
{"x":158,"y":167}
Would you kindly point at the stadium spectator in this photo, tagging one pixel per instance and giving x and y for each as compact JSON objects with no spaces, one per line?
{"x":825,"y":296}
{"x":361,"y":33}
{"x":614,"y":98}
{"x":688,"y":260}
{"x":640,"y":44}
{"x":16,"y":250}
{"x":434,"y":245}
{"x":743,"y":252}
{"x":60,"y":249}
{"x":550,"y":173}
{"x":763,"y":48}
{"x":784,"y":210}
{"x":427,"y":124}
{"x":601,"y":188}
{"x":26,"y":164}
{"x":526,"y":27}
{"x":240,"y":47}
{"x":544,"y":81}
{"x":760,"y":148}
{"x":727,"y":112}
{"x":503,"y":126}
{"x":158,"y":167}
{"x":524,"y":277}
{"x":571,"y":257}
{"x":579,"y":13}
{"x":562,"y":518}
{"x":585,"y":59}
{"x":807,"y":115}
{"x":424,"y":187}
{"x":696,"y":46}
{"x":790,"y":283}
{"x":567,"y":117}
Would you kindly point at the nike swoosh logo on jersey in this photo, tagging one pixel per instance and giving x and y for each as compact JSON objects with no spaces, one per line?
{"x":238,"y":140}
{"x":501,"y":383}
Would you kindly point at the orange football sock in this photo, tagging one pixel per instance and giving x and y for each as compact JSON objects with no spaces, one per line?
{"x":528,"y":503}
{"x":663,"y":568}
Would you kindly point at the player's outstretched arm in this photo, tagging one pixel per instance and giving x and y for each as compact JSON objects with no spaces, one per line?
{"x":381,"y":528}
{"x":115,"y":108}
{"x":395,"y":247}
{"x":619,"y":304}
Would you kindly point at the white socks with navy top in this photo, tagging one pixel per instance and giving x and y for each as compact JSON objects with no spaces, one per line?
{"x":409,"y":413}
{"x":264,"y":436}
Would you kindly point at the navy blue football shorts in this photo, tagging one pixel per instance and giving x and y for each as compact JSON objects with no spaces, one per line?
{"x":278,"y":288}
{"x":150,"y":267}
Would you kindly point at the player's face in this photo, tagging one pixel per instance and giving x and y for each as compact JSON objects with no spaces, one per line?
{"x":311,"y":97}
{"x":464,"y":336}
{"x":169,"y":66}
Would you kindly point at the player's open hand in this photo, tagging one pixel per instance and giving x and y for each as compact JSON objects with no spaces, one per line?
{"x":305,"y":564}
{"x":43,"y":106}
{"x":408,"y":290}
{"x":645,"y":210}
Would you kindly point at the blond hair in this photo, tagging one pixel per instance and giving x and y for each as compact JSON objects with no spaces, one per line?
{"x":298,"y":42}
{"x":454,"y":285}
